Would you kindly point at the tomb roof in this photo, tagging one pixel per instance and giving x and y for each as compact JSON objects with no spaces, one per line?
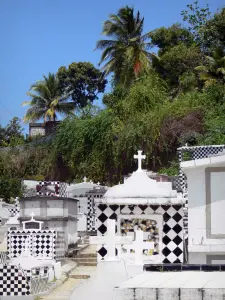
{"x":141,"y":189}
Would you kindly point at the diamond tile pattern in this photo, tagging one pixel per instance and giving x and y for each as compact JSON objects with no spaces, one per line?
{"x":172,"y":238}
{"x":41,"y":243}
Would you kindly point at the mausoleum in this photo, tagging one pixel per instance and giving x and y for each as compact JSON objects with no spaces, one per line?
{"x":141,"y":203}
{"x":206,"y":209}
{"x":57,"y":213}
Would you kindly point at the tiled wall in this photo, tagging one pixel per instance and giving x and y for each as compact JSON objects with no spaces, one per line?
{"x":172,"y":236}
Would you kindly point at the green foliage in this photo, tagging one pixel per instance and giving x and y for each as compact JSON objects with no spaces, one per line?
{"x":196,"y":18}
{"x":178,"y":61}
{"x":172,"y":170}
{"x":82,"y":82}
{"x":167,"y":38}
{"x":10,"y":188}
{"x":47,"y":100}
{"x":125,"y":52}
{"x":11,"y":135}
{"x":157,"y":103}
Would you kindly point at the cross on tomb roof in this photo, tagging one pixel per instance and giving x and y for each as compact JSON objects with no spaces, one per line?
{"x":85,"y":179}
{"x":139,"y":157}
{"x":32,"y":215}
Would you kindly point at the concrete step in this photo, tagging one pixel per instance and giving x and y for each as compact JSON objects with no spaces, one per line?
{"x":88,"y":264}
{"x":86,"y":255}
{"x":82,"y":259}
{"x":79,"y":276}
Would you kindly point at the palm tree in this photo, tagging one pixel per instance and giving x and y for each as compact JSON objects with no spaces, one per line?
{"x":214,"y":70}
{"x":125,"y":52}
{"x":47,"y":100}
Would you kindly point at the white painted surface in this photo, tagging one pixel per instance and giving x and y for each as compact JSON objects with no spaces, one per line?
{"x":110,"y":240}
{"x":139,"y":185}
{"x":55,"y":208}
{"x":58,"y":270}
{"x":218,"y":202}
{"x":101,"y":285}
{"x":176,"y":280}
{"x":82,"y":222}
{"x":200,"y":244}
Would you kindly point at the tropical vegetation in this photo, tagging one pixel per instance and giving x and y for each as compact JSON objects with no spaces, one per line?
{"x":167,"y":89}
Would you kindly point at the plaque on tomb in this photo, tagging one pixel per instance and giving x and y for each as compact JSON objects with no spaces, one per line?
{"x":32,"y":225}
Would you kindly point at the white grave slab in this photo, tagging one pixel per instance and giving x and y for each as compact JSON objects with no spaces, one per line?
{"x":110,"y":240}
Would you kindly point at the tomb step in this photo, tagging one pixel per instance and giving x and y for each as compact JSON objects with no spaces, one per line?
{"x":79,"y":276}
{"x":89,"y":264}
{"x":86,"y":255}
{"x":84,"y":260}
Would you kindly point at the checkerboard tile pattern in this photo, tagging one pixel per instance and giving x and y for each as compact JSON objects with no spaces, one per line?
{"x":41,"y":243}
{"x":172,"y":251}
{"x":16,"y":209}
{"x":13,"y":281}
{"x":91,"y":208}
{"x":42,"y":189}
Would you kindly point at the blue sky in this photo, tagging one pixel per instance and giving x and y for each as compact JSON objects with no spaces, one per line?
{"x":38,"y":36}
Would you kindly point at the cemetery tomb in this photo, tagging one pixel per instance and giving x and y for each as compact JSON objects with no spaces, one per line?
{"x":206,"y":208}
{"x":142,"y":204}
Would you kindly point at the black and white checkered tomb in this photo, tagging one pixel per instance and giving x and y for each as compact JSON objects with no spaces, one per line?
{"x":172,"y":237}
{"x":40,"y":242}
{"x":13,"y":281}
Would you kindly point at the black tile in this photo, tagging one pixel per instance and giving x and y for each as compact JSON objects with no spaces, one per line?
{"x":177,"y":240}
{"x":102,"y":229}
{"x":143,"y":207}
{"x":102,"y":252}
{"x":153,"y":268}
{"x":177,"y":261}
{"x":102,"y":217}
{"x":210,"y":268}
{"x":166,"y":228}
{"x":114,"y":207}
{"x":166,"y":251}
{"x":177,"y":251}
{"x":177,"y":217}
{"x":191,"y":267}
{"x":222,"y":267}
{"x":113,"y":216}
{"x":177,"y":228}
{"x":165,"y":207}
{"x":172,"y":267}
{"x":166,"y":240}
{"x":177,"y":207}
{"x":166,"y":217}
{"x":121,"y":207}
{"x":166,"y":261}
{"x":154,"y":207}
{"x":102,"y":207}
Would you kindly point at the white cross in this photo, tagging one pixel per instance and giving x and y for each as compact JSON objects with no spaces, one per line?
{"x":110,"y":240}
{"x":98,"y":183}
{"x":139,"y":157}
{"x":32,"y":215}
{"x":138,"y":246}
{"x":85,"y":179}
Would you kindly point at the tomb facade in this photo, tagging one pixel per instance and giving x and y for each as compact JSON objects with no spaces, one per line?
{"x":142,"y":204}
